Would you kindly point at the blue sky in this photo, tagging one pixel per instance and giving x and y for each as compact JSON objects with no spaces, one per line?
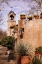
{"x":18,"y":6}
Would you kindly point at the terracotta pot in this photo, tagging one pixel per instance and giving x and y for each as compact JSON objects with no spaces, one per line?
{"x":38,"y":53}
{"x":41,"y":53}
{"x":36,"y":16}
{"x":22,"y":17}
{"x":25,"y":60}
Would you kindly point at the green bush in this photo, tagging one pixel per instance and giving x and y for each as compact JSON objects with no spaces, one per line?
{"x":8,"y":42}
{"x":39,"y":49}
{"x":11,"y":57}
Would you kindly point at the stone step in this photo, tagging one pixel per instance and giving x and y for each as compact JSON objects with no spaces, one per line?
{"x":5,"y":57}
{"x":4,"y":62}
{"x":3,"y":48}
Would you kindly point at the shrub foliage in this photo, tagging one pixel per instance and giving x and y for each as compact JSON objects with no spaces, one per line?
{"x":8,"y":41}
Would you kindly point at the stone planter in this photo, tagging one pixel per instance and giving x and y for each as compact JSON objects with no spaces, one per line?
{"x":25,"y":60}
{"x":22,"y":17}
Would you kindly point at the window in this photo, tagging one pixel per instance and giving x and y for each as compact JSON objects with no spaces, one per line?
{"x":23,"y":29}
{"x":12,"y":17}
{"x":11,"y":27}
{"x":21,"y":36}
{"x":21,"y":32}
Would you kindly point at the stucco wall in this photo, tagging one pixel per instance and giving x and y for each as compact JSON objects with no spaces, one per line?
{"x":33,"y":32}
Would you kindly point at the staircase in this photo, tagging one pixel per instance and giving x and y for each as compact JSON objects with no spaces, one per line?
{"x":3,"y":55}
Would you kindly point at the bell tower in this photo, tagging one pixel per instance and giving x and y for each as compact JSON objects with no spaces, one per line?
{"x":11,"y":23}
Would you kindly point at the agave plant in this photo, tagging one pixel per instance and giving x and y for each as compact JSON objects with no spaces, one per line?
{"x":23,"y":49}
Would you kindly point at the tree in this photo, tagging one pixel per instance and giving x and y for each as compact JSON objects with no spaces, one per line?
{"x":2,"y":34}
{"x":1,"y":18}
{"x":39,"y":6}
{"x":39,"y":2}
{"x":8,"y":41}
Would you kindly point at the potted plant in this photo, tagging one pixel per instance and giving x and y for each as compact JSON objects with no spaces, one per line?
{"x":23,"y":53}
{"x":36,"y":16}
{"x":29,"y":17}
{"x":22,"y":16}
{"x":22,"y":50}
{"x":38,"y":50}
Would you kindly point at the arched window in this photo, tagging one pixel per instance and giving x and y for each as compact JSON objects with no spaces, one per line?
{"x":12,"y":17}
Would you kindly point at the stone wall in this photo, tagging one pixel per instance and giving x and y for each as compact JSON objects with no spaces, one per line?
{"x":10,"y":24}
{"x":21,"y":24}
{"x":32,"y":32}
